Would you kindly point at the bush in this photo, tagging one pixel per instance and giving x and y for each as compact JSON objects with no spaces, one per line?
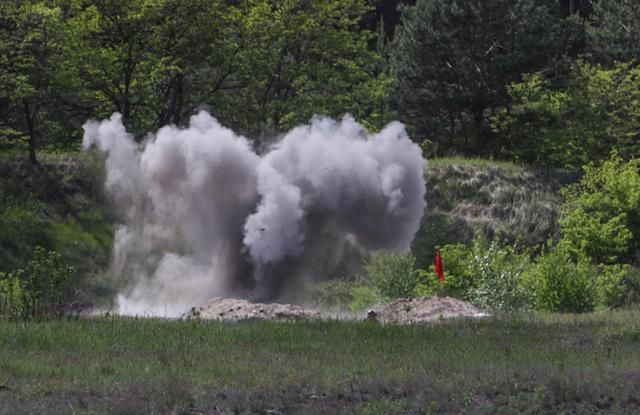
{"x":393,"y":274}
{"x":340,"y":295}
{"x":601,"y":214}
{"x":363,"y":296}
{"x":333,"y":294}
{"x":38,"y":289}
{"x":563,"y":280}
{"x":498,"y":273}
{"x":458,"y":278}
{"x":610,"y":285}
{"x":11,"y":296}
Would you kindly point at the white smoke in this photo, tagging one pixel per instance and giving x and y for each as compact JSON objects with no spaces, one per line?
{"x":204,"y":215}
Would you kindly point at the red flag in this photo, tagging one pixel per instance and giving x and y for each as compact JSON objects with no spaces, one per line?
{"x":439,"y":267}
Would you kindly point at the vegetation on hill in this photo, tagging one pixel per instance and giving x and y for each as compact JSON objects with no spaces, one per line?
{"x":57,"y":206}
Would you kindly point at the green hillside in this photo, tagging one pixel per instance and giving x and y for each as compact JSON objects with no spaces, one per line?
{"x":465,"y":197}
{"x":59,"y":206}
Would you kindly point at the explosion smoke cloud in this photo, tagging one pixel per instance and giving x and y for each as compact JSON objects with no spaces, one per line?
{"x":204,"y":215}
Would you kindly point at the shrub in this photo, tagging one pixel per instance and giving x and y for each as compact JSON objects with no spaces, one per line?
{"x":458,"y":278}
{"x":428,"y":283}
{"x":497,"y":273}
{"x":332,"y":294}
{"x":489,"y":275}
{"x":363,"y":296}
{"x":610,"y":285}
{"x":36,"y":290}
{"x":563,"y":280}
{"x":601,"y":214}
{"x":393,"y":274}
{"x":11,"y":295}
{"x":340,"y":295}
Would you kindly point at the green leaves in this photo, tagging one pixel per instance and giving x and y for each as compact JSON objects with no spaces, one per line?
{"x":258,"y":66}
{"x":393,"y":274}
{"x":498,"y":277}
{"x":452,"y":61}
{"x":38,"y":289}
{"x":563,"y":281}
{"x":601,"y":214}
{"x":302,"y":59}
{"x":597,"y":111}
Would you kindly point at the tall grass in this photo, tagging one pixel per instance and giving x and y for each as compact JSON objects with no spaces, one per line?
{"x":536,"y":363}
{"x":475,"y":161}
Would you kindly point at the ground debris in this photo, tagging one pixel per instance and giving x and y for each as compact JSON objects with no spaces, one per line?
{"x":234,"y":309}
{"x":416,"y":310}
{"x":401,"y":311}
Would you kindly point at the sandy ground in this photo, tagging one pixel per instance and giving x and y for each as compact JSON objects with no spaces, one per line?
{"x":416,"y":310}
{"x":402,"y":311}
{"x":233,"y":309}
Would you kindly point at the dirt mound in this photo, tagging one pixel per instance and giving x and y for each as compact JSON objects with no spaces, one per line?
{"x":233,"y":309}
{"x":406,"y":311}
{"x":402,"y":311}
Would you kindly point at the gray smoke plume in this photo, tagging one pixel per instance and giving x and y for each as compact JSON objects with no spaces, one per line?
{"x":204,"y":215}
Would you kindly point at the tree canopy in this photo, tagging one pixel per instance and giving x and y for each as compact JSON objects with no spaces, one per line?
{"x":452,"y":61}
{"x":466,"y":77}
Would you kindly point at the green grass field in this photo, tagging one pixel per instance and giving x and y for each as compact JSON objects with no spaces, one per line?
{"x":525,"y":364}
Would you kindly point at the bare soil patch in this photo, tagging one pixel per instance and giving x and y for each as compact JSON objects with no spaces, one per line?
{"x":416,"y":310}
{"x":401,"y":311}
{"x":234,"y":309}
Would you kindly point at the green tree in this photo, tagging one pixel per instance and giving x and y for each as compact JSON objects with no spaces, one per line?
{"x":301,"y":58}
{"x":452,"y":60}
{"x":614,"y":32}
{"x":562,"y":281}
{"x":598,"y":110}
{"x":601,"y":214}
{"x":31,"y":38}
{"x":198,"y":43}
{"x":113,"y":57}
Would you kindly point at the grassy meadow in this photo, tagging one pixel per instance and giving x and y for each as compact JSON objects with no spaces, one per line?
{"x":533,"y":363}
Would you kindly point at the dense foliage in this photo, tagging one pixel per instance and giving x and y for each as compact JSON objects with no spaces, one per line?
{"x":259,"y":66}
{"x":452,"y":60}
{"x":38,"y":290}
{"x":453,"y":71}
{"x":602,"y":212}
{"x":597,"y":111}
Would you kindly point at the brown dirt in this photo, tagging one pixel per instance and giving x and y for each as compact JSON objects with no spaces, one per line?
{"x":233,"y":309}
{"x":402,"y":311}
{"x":416,"y":310}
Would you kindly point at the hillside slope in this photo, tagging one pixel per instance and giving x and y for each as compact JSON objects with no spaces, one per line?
{"x":60,"y":206}
{"x":464,"y":196}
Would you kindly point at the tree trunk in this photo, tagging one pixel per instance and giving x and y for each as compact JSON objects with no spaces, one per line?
{"x":128,"y":79}
{"x":177,"y":101}
{"x":29,"y":116}
{"x":573,"y":6}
